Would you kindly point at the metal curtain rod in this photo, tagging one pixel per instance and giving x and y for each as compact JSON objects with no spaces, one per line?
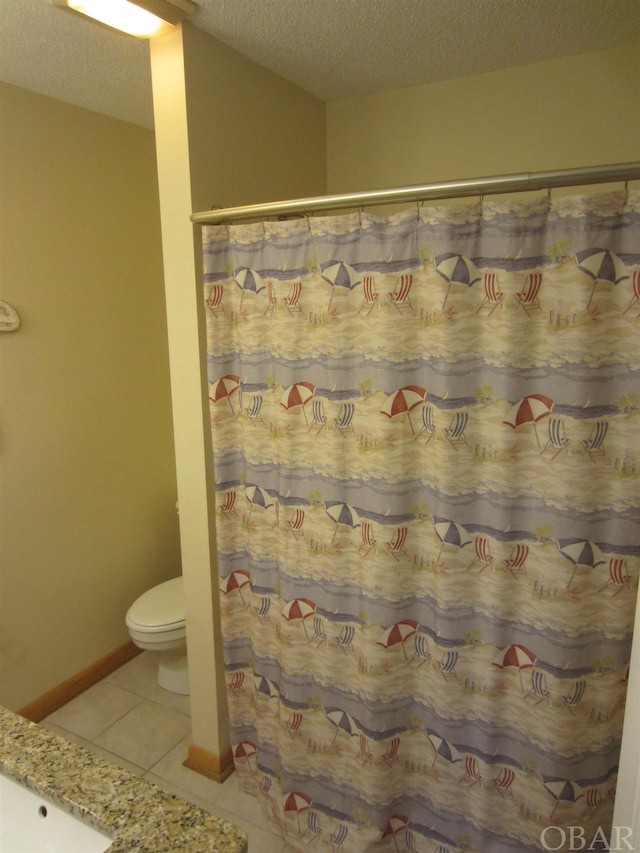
{"x":518,"y":182}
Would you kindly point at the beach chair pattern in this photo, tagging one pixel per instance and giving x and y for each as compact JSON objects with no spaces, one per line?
{"x":319,"y":421}
{"x":422,"y":652}
{"x":504,"y":781}
{"x":396,"y":546}
{"x":447,"y":664}
{"x":371,"y":296}
{"x":428,"y":425}
{"x":345,"y":639}
{"x":368,"y":539}
{"x":343,"y":421}
{"x":438,"y":439}
{"x":272,"y":299}
{"x":254,"y":410}
{"x":400,"y":296}
{"x":539,"y":690}
{"x":483,"y":556}
{"x":292,"y":301}
{"x":228,"y":505}
{"x":527,"y":299}
{"x":236,"y":684}
{"x":594,"y":445}
{"x":214,"y":300}
{"x":573,"y":699}
{"x":338,"y":838}
{"x":493,"y":297}
{"x":558,"y":440}
{"x":516,"y":564}
{"x":296,"y":524}
{"x":454,"y":433}
{"x":390,"y":755}
{"x":263,"y":607}
{"x":635,"y":297}
{"x":619,"y":577}
{"x":472,"y":773}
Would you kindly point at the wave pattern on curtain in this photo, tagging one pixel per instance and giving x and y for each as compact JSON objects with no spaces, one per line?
{"x":427,"y":455}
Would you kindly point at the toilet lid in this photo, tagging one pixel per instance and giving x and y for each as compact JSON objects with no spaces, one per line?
{"x":159,"y":607}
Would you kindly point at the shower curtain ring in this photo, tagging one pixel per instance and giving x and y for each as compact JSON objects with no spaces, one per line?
{"x":626,"y":193}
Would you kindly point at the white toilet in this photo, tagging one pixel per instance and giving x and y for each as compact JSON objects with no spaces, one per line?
{"x":156,"y":621}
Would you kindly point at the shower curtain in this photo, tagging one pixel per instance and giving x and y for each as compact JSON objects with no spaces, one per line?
{"x":427,"y":457}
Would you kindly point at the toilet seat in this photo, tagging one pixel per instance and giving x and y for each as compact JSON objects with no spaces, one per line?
{"x":157,"y":622}
{"x":159,"y":611}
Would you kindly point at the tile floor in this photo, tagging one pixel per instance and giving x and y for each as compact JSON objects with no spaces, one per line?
{"x":129,"y":720}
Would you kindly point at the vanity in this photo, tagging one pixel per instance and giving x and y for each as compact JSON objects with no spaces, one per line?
{"x":136,"y":815}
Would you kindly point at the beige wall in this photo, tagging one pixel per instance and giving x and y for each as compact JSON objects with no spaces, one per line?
{"x":566,"y":113}
{"x":87,"y":513}
{"x":253,"y":136}
{"x":228,"y":132}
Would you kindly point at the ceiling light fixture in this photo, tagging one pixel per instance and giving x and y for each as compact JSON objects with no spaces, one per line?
{"x":140,"y":18}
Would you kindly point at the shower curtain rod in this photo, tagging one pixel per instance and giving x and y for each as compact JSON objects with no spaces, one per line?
{"x":518,"y":182}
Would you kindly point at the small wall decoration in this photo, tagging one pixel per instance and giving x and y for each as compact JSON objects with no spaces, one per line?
{"x":9,"y":318}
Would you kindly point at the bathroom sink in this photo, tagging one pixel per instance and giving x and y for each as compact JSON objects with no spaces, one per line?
{"x":31,"y":824}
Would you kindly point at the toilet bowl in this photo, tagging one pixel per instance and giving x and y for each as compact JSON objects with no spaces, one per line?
{"x":156,"y":621}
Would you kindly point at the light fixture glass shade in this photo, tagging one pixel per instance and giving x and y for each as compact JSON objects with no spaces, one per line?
{"x":128,"y":16}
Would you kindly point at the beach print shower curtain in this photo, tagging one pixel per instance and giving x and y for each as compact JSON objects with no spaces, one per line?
{"x":426,"y":430}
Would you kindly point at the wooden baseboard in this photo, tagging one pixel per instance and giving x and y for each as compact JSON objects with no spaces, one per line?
{"x":216,"y":767}
{"x":77,"y":684}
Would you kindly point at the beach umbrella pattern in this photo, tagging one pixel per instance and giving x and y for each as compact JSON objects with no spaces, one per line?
{"x":580,"y":552}
{"x":601,"y":265}
{"x":342,"y":721}
{"x":257,"y":497}
{"x":404,"y":401}
{"x":518,"y":657}
{"x":236,"y":581}
{"x":455,"y":269}
{"x":249,"y":281}
{"x":297,"y":396}
{"x":450,"y":533}
{"x":299,"y":609}
{"x":339,"y":274}
{"x":562,"y":790}
{"x":341,"y":513}
{"x":224,"y":388}
{"x":397,"y":823}
{"x":398,"y":633}
{"x":443,"y":749}
{"x":529,"y":410}
{"x":296,"y":802}
{"x":245,"y":751}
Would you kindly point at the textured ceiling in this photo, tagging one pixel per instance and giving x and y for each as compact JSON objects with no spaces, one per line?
{"x":334,"y":49}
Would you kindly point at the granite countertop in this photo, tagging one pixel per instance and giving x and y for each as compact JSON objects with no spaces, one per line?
{"x":138,"y":815}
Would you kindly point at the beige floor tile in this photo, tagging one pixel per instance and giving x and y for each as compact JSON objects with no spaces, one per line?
{"x":94,"y":710}
{"x":140,"y":676}
{"x":171,"y":700}
{"x":260,"y":839}
{"x":147,"y":733}
{"x":170,"y":768}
